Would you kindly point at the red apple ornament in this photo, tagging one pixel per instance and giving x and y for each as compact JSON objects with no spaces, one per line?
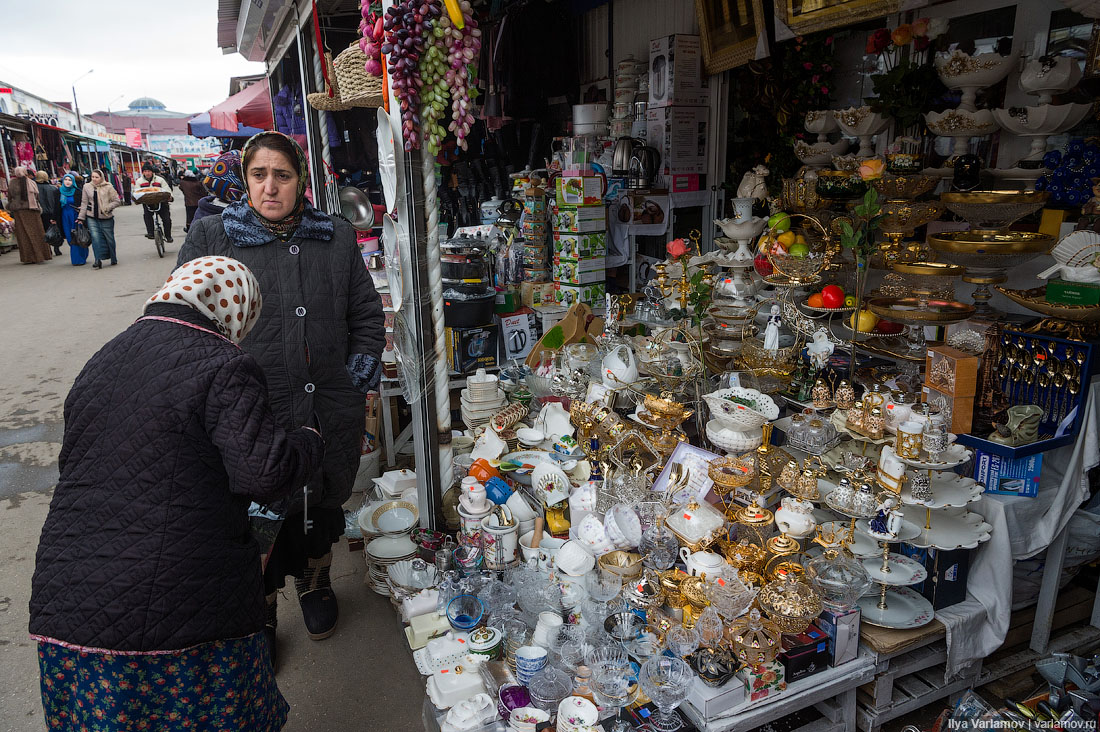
{"x":832,"y":296}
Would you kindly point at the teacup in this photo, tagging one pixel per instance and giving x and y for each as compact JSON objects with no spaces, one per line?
{"x":572,"y":559}
{"x":529,"y":661}
{"x":520,"y":507}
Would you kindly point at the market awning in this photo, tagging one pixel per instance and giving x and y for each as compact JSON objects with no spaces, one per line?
{"x":199,"y":126}
{"x":250,"y":107}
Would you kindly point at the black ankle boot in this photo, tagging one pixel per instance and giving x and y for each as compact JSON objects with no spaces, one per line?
{"x":271,"y":621}
{"x":319,"y":608}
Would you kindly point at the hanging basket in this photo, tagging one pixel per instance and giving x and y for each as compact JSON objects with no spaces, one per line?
{"x":357,"y":87}
{"x":323,"y":101}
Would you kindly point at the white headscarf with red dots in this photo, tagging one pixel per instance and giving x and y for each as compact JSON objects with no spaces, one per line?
{"x":220,"y":288}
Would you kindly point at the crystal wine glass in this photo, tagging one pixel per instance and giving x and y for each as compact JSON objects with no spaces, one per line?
{"x":934,"y":440}
{"x":665,"y":680}
{"x":682,"y":641}
{"x":614,"y":689}
{"x":604,"y":586}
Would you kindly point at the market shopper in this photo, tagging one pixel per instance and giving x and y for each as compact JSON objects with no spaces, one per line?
{"x":97,"y":211}
{"x":147,"y":600}
{"x":69,"y":197}
{"x":49,"y":198}
{"x":150,"y":182}
{"x":24,"y":207}
{"x":127,"y":189}
{"x":319,"y":341}
{"x":224,"y":183}
{"x":192,"y":193}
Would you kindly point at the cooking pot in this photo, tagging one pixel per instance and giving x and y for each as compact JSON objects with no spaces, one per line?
{"x":587,"y":114}
{"x":355,"y":206}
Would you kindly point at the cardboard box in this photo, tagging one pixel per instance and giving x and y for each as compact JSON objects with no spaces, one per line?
{"x":679,"y":134}
{"x":518,"y":334}
{"x":591,"y":293}
{"x":804,"y":654}
{"x":676,"y":71}
{"x":534,"y":294}
{"x":947,"y":574}
{"x":762,"y":681}
{"x":470,"y":349}
{"x":580,"y":190}
{"x":579,"y":219}
{"x":711,"y":701}
{"x":580,"y":246}
{"x":1005,"y":476}
{"x":685,"y":183}
{"x":957,"y":411}
{"x":951,"y":371}
{"x":579,"y":272}
{"x":1072,"y":293}
{"x":842,"y":631}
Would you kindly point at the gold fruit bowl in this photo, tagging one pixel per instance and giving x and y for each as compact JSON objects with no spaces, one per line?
{"x":1034,"y":299}
{"x":919,"y":311}
{"x":731,"y":472}
{"x":901,"y":217}
{"x":904,"y":187}
{"x":987,"y":255}
{"x":791,"y":603}
{"x":994,"y":209}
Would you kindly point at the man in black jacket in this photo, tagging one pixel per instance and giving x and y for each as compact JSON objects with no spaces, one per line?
{"x":49,"y":198}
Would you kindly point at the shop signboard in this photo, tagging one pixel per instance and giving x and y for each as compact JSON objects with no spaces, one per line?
{"x":133,"y":137}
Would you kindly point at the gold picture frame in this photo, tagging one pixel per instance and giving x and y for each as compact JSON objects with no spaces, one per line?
{"x":1092,"y":61}
{"x":728,"y":32}
{"x":807,"y":16}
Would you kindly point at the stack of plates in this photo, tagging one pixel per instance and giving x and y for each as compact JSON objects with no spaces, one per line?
{"x":381,"y":553}
{"x":478,"y":407}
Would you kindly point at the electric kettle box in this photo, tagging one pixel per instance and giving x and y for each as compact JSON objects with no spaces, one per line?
{"x":679,"y":134}
{"x":580,"y":246}
{"x":579,"y":272}
{"x":592,"y":293}
{"x":676,"y":71}
{"x":580,"y":190}
{"x":470,"y":349}
{"x":579,"y":219}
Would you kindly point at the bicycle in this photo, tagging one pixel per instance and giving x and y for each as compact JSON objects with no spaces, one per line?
{"x":153,"y":201}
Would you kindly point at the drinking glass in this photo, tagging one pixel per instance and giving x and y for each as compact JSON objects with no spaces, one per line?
{"x":681,"y":640}
{"x":665,"y":681}
{"x":613,"y":688}
{"x":604,"y":586}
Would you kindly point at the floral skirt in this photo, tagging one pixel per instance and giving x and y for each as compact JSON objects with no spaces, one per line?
{"x":222,"y":685}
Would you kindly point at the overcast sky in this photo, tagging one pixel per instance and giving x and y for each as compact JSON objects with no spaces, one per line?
{"x":158,"y":48}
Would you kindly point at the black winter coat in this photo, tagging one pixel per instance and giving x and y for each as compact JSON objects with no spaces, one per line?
{"x":168,"y":438}
{"x":320,"y":305}
{"x":49,"y":200}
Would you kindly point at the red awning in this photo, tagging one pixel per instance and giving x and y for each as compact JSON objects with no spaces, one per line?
{"x":250,"y":107}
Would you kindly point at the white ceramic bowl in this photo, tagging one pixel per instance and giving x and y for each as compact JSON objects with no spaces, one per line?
{"x":623,"y":526}
{"x":733,"y":440}
{"x":737,"y":416}
{"x":572,"y":559}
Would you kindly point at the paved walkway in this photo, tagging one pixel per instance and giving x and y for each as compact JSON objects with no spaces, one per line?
{"x":55,"y":316}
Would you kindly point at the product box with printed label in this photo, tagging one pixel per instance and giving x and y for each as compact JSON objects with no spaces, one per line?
{"x":579,"y":272}
{"x":957,"y":411}
{"x":535,"y":294}
{"x":951,"y":371}
{"x":580,"y":246}
{"x":762,"y":681}
{"x":470,"y":349}
{"x":947,"y":574}
{"x":676,"y":71}
{"x":711,"y":701}
{"x":579,"y":219}
{"x":1019,"y":477}
{"x":679,"y":134}
{"x":518,"y":334}
{"x":580,"y":190}
{"x":805,"y":654}
{"x":592,"y":293}
{"x":842,"y":630}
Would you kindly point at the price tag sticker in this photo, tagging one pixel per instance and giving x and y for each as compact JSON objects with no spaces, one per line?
{"x":721,"y":582}
{"x":687,"y":517}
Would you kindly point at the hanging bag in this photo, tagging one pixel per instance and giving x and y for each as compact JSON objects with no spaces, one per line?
{"x":81,"y":236}
{"x":53,"y":235}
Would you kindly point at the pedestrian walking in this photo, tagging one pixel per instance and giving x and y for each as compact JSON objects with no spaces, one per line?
{"x":127,"y":188}
{"x":325,"y":299}
{"x":147,"y":598}
{"x":150,"y":182}
{"x":49,"y":199}
{"x":69,"y":196}
{"x":98,"y":213}
{"x":25,"y":209}
{"x":224,"y":183}
{"x":192,"y":194}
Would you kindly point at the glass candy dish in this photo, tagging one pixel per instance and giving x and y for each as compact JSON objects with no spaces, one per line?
{"x":666,"y":682}
{"x":840,"y":579}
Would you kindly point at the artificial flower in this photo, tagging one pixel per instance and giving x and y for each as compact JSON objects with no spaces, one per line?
{"x":936,"y":28}
{"x":807,"y":66}
{"x":878,"y":41}
{"x":920,"y":43}
{"x":902,"y":35}
{"x":920,"y":27}
{"x":677,"y":248}
{"x":872,"y":169}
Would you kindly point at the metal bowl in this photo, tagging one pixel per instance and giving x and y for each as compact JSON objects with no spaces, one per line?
{"x":912,"y":310}
{"x":355,"y":206}
{"x":904,"y":187}
{"x":1035,"y":299}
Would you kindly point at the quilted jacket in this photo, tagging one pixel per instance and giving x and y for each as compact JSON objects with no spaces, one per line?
{"x":168,"y":438}
{"x":320,"y":306}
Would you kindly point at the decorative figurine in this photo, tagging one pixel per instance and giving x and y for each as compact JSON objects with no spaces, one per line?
{"x":821,"y":349}
{"x":771,"y":332}
{"x":753,"y":184}
{"x":1021,"y":427}
{"x":886,"y":525}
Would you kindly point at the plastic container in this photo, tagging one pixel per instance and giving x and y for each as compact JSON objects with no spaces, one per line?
{"x":469,"y":312}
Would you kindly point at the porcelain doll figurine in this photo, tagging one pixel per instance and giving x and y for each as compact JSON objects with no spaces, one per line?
{"x":887,"y":523}
{"x":771,"y":333}
{"x":821,"y":349}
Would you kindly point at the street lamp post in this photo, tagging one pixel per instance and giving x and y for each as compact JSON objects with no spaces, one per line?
{"x":110,"y":117}
{"x":76,"y":104}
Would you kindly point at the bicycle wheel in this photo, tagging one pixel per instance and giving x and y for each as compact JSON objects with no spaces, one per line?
{"x":158,"y":237}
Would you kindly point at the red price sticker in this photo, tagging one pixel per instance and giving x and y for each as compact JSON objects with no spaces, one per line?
{"x":641,"y":588}
{"x":721,"y":582}
{"x":687,"y":516}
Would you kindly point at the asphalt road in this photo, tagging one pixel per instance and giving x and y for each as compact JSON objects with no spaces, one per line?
{"x":55,"y":316}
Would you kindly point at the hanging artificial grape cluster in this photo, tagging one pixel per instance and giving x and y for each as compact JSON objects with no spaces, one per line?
{"x":463,"y":46}
{"x":433,"y":91}
{"x":372,"y":32}
{"x":406,"y":24}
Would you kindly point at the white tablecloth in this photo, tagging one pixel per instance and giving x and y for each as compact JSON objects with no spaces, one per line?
{"x":1022,"y":527}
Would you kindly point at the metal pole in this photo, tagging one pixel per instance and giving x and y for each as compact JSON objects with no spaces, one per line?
{"x":4,"y":156}
{"x":331,"y":197}
{"x":309,"y":136}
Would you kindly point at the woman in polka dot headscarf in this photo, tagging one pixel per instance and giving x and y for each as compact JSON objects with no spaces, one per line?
{"x":220,"y":288}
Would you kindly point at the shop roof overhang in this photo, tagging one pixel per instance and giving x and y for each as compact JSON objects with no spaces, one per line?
{"x":249,"y":28}
{"x":250,"y":107}
{"x":200,"y":126}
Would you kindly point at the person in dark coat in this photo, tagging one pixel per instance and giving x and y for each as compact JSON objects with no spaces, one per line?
{"x":127,"y":188}
{"x":319,"y":340}
{"x":192,"y":192}
{"x":147,"y":598}
{"x":224,"y":183}
{"x":25,"y":208}
{"x":49,"y":198}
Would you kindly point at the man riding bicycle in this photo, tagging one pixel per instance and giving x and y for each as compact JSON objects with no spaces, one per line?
{"x":150,"y":182}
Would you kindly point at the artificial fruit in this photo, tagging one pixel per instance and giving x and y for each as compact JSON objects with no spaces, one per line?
{"x":832,"y":296}
{"x":863,"y":321}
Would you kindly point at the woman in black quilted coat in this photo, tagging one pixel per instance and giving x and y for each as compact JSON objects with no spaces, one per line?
{"x":147,"y":600}
{"x":319,"y":340}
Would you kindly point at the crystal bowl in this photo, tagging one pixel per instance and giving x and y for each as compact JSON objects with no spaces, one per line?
{"x":994,"y":209}
{"x":912,"y":310}
{"x":902,"y":216}
{"x":987,"y":255}
{"x":839,"y":185}
{"x":904,"y":187}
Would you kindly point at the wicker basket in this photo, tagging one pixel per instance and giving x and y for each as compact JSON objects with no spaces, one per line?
{"x":322,"y":100}
{"x":357,"y":87}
